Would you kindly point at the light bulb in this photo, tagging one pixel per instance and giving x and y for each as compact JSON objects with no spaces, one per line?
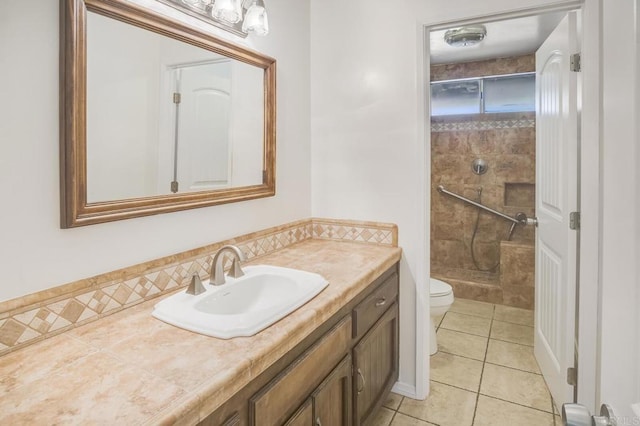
{"x":256,"y":20}
{"x":227,"y":10}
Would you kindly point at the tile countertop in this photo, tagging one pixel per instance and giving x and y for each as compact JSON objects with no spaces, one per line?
{"x":131,"y":368}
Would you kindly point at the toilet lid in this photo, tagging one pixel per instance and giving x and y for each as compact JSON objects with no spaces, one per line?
{"x":439,"y":288}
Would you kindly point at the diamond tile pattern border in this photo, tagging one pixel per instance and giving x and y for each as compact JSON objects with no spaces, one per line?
{"x":102,"y":295}
{"x":482,"y":125}
{"x":359,"y":232}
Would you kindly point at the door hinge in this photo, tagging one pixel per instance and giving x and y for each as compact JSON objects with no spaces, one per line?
{"x":177,"y":98}
{"x":576,"y":62}
{"x":574,"y":220}
{"x":572,"y":376}
{"x":174,"y":186}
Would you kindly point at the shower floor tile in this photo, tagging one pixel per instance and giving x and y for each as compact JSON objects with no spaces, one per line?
{"x":501,"y":387}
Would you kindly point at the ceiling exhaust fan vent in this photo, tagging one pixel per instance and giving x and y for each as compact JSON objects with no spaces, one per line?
{"x":465,"y":36}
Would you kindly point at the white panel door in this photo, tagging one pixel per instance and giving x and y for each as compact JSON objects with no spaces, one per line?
{"x":203,"y":131}
{"x":556,"y":198}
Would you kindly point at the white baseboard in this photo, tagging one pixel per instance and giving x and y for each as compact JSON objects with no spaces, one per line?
{"x":404,"y":390}
{"x":635,"y":407}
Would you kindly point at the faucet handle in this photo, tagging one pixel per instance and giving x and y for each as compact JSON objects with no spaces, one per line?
{"x":235,"y":271}
{"x":196,"y":287}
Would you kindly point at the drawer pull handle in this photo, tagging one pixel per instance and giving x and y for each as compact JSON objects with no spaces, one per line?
{"x":318,"y":422}
{"x":360,"y":389}
{"x":381,"y":302}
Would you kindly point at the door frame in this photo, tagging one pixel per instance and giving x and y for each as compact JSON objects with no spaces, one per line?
{"x":589,"y":178}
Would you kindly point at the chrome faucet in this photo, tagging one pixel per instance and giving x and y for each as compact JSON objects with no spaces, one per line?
{"x":217,"y":267}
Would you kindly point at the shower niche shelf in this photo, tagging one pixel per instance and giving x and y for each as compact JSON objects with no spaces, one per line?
{"x":519,"y":194}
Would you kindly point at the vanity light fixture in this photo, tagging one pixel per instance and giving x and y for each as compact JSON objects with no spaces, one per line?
{"x":227,"y":14}
{"x":256,"y":21}
{"x":229,"y":11}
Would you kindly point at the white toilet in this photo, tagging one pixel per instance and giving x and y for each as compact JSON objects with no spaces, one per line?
{"x":441,"y":298}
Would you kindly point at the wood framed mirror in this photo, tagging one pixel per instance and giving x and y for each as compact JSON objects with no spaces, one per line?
{"x":157,"y":116}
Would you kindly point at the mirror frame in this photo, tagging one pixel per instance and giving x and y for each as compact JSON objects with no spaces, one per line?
{"x":75,"y":210}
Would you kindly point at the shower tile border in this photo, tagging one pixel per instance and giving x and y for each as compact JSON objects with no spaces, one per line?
{"x":32,"y":318}
{"x":458,"y":126}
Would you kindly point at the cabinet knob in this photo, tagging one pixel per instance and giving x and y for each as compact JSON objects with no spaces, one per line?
{"x":381,"y":302}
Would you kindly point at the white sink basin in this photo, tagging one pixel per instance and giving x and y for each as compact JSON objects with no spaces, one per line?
{"x":242,"y":306}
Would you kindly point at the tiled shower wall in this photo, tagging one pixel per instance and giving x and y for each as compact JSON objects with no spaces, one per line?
{"x":507,"y":143}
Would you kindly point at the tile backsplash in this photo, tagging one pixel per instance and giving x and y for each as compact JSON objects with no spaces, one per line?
{"x":35,"y":317}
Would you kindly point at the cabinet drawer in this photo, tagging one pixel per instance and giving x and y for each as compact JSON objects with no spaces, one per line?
{"x":370,"y":309}
{"x":277,"y":401}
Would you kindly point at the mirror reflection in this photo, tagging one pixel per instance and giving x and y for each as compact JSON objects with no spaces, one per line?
{"x":164,"y":116}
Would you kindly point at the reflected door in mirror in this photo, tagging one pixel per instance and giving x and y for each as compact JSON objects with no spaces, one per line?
{"x":164,"y":116}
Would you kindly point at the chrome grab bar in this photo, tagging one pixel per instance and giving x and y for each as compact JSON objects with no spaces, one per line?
{"x":522,"y":221}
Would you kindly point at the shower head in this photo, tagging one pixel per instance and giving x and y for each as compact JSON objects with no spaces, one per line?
{"x":479,"y":166}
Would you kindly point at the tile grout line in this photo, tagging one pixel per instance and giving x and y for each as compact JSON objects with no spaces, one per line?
{"x":395,"y":413}
{"x":499,"y":320}
{"x":484,"y":362}
{"x":486,"y":351}
{"x":513,"y":368}
{"x":509,"y":341}
{"x":517,"y":403}
{"x":493,"y":338}
{"x":464,"y":332}
{"x":493,"y":397}
{"x":413,"y":417}
{"x":489,"y":362}
{"x":452,"y":386}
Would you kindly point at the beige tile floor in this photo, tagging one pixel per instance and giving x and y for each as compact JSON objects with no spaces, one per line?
{"x":484,"y":374}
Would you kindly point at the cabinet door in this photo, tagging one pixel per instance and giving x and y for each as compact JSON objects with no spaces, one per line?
{"x":332,"y":399}
{"x":304,"y":415}
{"x":375,"y":366}
{"x":279,"y":399}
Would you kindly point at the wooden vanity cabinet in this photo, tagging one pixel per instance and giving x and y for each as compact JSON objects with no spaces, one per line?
{"x":340,"y":375}
{"x":305,"y":377}
{"x":375,"y":364}
{"x":330,"y":404}
{"x":304,"y":415}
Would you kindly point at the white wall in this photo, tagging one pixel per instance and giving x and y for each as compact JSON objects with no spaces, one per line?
{"x":620,"y":352}
{"x":247,"y":120}
{"x":369,"y":156}
{"x":123,"y":98}
{"x":35,"y":254}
